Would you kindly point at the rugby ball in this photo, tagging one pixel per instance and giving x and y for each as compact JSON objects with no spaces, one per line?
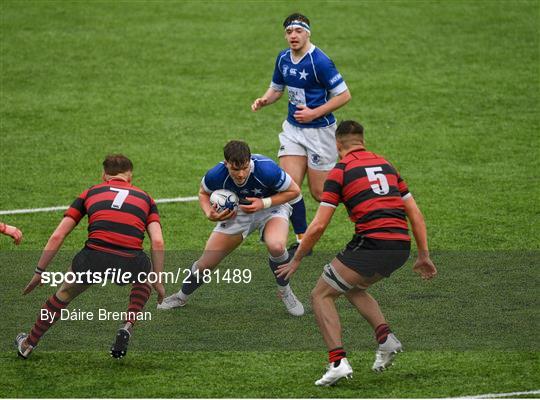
{"x":223,"y":199}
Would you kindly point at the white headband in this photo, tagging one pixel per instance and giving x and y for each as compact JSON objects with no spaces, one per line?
{"x":298,"y":24}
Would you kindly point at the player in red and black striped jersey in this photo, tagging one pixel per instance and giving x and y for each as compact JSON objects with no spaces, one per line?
{"x":119,"y":214}
{"x":379,"y":203}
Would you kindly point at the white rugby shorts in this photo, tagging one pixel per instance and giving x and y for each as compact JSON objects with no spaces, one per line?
{"x":317,"y":144}
{"x":246,"y":223}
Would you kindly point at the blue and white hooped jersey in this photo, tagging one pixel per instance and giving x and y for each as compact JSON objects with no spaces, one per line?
{"x":312,"y":81}
{"x":265,"y":179}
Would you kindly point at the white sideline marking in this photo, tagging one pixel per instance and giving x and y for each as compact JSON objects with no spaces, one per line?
{"x":61,"y":208}
{"x":497,"y":395}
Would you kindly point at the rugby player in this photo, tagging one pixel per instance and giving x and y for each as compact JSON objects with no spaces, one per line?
{"x":379,"y":203}
{"x":315,"y":89}
{"x":118,"y":216}
{"x":264,"y":190}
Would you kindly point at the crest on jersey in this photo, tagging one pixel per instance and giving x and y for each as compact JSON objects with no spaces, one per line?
{"x":285,"y":70}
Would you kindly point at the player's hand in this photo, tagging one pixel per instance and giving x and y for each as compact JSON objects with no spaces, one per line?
{"x":286,"y":271}
{"x":35,"y":281}
{"x":160,"y":289}
{"x":258,"y":104}
{"x":256,"y":205}
{"x":215,"y":216}
{"x":14,"y":232}
{"x":424,"y":267}
{"x":304,"y":114}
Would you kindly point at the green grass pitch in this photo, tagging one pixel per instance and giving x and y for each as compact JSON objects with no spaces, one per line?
{"x":447,"y":91}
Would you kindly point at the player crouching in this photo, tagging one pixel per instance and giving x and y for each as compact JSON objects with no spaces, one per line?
{"x":118,"y":216}
{"x":267,"y":210}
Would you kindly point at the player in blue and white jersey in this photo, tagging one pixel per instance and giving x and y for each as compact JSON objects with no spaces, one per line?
{"x":315,"y":89}
{"x":265,"y":191}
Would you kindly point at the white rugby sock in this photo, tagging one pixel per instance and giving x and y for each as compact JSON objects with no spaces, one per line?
{"x":279,"y":259}
{"x":284,"y":289}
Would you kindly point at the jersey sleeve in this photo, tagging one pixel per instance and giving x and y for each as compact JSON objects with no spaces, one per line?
{"x":77,"y":209}
{"x":401,"y":184}
{"x":275,"y":178}
{"x":329,"y":76}
{"x":403,"y":188}
{"x":211,"y":180}
{"x":331,"y":195}
{"x":278,"y":83}
{"x":153,"y":213}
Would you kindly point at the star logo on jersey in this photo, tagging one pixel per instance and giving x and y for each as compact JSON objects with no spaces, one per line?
{"x":304,"y":74}
{"x":256,"y":191}
{"x":244,"y":191}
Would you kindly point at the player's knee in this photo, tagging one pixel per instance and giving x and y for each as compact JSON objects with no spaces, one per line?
{"x":314,"y":296}
{"x":64,"y":294}
{"x":276,"y":248}
{"x":316,"y":193}
{"x":317,"y":294}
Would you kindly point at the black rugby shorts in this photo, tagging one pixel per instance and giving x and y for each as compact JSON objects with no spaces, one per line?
{"x":98,"y":261}
{"x":368,"y":256}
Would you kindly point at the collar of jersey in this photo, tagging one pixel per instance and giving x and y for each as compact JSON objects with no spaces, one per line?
{"x":354,"y":151}
{"x":311,"y":49}
{"x":118,"y":181}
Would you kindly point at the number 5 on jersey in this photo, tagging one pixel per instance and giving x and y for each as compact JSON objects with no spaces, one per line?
{"x":119,"y":198}
{"x":379,"y":183}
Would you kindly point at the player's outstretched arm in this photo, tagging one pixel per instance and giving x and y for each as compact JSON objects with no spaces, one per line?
{"x":423,"y":264}
{"x":158,"y":256}
{"x":210,"y":211}
{"x":12,"y":231}
{"x":54,"y":243}
{"x":314,"y":232}
{"x":271,"y":96}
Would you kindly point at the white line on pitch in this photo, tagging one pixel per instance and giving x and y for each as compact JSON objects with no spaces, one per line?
{"x":61,"y":208}
{"x":497,"y":395}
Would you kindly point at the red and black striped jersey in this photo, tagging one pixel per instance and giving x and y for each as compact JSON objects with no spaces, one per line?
{"x":373,"y":193}
{"x":118,"y":214}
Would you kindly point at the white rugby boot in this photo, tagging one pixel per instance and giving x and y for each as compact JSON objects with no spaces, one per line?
{"x":23,"y":351}
{"x":386,"y":353}
{"x":173,"y":301}
{"x":293,"y":305}
{"x":334,"y":374}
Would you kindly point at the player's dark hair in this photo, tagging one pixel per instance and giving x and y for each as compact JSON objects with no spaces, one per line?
{"x":295,"y":17}
{"x":349,"y":127}
{"x":237,"y":152}
{"x":115,"y":164}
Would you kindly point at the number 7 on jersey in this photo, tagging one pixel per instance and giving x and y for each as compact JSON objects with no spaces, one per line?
{"x":119,"y":198}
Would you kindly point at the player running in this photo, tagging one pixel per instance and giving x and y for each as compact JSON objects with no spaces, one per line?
{"x":118,"y":216}
{"x":379,"y":203}
{"x":264,"y":191}
{"x":315,"y":89}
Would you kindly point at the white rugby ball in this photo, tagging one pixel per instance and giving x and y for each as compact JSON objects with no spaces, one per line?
{"x":224,"y":199}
